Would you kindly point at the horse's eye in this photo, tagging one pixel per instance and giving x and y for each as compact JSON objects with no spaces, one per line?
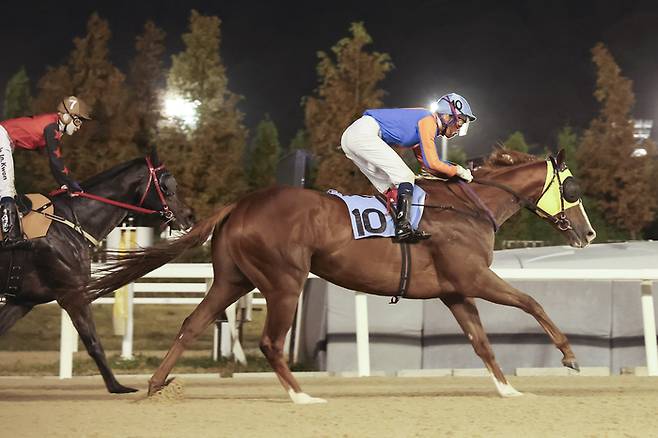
{"x":168,"y":184}
{"x":571,"y":190}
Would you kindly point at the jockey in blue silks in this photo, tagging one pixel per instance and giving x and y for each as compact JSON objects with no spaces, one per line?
{"x":367,"y":143}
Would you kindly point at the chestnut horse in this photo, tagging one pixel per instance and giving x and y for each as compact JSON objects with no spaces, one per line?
{"x":273,"y":238}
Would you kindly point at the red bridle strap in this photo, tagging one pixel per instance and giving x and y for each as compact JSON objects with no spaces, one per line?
{"x":153,"y":179}
{"x":166,"y":212}
{"x":116,"y":203}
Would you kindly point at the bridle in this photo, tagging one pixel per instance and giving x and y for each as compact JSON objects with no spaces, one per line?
{"x":560,"y":219}
{"x":153,"y":180}
{"x":157,"y":183}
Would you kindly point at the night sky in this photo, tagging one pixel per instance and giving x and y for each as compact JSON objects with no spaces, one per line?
{"x":523,"y":65}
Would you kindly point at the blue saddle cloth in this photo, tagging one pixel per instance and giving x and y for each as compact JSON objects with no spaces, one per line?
{"x":370,"y":218}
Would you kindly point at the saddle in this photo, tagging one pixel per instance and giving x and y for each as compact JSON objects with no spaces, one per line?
{"x":34,"y":209}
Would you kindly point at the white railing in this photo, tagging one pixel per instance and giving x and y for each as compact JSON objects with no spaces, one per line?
{"x":194,"y":271}
{"x":646,"y":276}
{"x":204,"y":271}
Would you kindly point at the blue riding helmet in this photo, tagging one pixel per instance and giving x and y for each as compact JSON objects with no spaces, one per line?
{"x":454,"y":104}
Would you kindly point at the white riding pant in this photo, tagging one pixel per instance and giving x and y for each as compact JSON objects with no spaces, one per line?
{"x":6,"y":166}
{"x":362,"y":143}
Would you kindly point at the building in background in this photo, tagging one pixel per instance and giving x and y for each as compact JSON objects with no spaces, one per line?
{"x":641,"y":132}
{"x":293,"y":169}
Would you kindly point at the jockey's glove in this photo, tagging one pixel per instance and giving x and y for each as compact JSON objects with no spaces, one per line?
{"x":464,"y":173}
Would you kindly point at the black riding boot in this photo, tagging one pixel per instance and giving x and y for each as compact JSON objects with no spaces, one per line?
{"x":403,"y":229}
{"x":10,"y":221}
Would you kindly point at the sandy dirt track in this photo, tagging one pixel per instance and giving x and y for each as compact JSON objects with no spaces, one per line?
{"x":367,"y":407}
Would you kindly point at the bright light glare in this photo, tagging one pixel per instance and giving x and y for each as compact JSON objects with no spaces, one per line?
{"x":434,"y":106}
{"x":177,"y":107}
{"x":639,"y":152}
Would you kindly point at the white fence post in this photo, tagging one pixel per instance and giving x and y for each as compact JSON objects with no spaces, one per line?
{"x":224,"y":339}
{"x":649,"y":322}
{"x":127,"y":340}
{"x":67,"y":337}
{"x":362,"y":334}
{"x":298,"y":328}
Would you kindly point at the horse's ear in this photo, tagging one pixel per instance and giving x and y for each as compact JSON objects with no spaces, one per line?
{"x":561,"y":160}
{"x":154,"y":156}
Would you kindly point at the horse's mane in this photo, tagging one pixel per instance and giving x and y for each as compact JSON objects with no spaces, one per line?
{"x":502,"y":157}
{"x":110,"y":173}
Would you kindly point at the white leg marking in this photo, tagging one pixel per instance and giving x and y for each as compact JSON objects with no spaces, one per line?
{"x":302,"y":398}
{"x":505,"y":389}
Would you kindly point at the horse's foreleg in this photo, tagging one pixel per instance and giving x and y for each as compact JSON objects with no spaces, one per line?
{"x":467,"y":316}
{"x":492,"y":288}
{"x":10,"y":313}
{"x":220,"y":295}
{"x":83,"y":321}
{"x":280,"y":313}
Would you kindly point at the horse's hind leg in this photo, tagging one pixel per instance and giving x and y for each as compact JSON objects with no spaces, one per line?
{"x":468,"y":318}
{"x":492,"y":288}
{"x":220,"y":295}
{"x":83,"y":321}
{"x":281,"y":305}
{"x":10,"y":313}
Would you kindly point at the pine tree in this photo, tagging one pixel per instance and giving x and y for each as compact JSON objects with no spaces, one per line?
{"x":299,"y":141}
{"x":516,"y":142}
{"x":263,"y":155}
{"x":349,"y":79}
{"x":621,"y":185}
{"x":147,"y":80}
{"x":208,"y":153}
{"x":567,"y":139}
{"x":18,"y":97}
{"x":90,"y":75}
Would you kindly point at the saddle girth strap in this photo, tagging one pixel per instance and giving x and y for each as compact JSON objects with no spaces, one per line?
{"x":14,"y":273}
{"x":405,"y":273}
{"x":76,"y":227}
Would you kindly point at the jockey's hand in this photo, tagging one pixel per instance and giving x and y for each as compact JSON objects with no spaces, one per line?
{"x":75,"y":187}
{"x":464,"y":173}
{"x":72,"y":187}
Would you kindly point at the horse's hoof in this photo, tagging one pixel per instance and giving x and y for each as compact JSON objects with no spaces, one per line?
{"x":571,"y":364}
{"x":154,"y":387}
{"x":120,"y":389}
{"x":301,"y":398}
{"x":505,"y":390}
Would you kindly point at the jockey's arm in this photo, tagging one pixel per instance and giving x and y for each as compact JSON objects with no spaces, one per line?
{"x":59,"y":170}
{"x":427,"y":131}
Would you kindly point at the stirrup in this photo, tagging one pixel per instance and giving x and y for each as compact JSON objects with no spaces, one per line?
{"x":406,"y":234}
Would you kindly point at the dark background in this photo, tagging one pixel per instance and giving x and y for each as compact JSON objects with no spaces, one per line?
{"x":523,"y":65}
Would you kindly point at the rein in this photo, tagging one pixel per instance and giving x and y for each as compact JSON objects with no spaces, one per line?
{"x":560,"y":220}
{"x":474,"y":214}
{"x":153,"y":180}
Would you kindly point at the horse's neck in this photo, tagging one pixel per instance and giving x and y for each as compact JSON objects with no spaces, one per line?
{"x":525,"y":179}
{"x":98,"y":218}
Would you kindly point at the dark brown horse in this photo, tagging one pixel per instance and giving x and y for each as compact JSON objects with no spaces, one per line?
{"x":57,"y":266}
{"x":273,"y":238}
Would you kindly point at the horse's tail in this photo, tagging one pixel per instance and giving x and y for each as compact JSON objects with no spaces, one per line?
{"x":132,"y":265}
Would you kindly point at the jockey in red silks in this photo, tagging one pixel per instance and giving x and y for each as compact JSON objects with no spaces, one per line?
{"x":33,"y":133}
{"x":367,"y":143}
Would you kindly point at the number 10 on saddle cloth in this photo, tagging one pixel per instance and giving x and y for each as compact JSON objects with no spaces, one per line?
{"x":369,"y":216}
